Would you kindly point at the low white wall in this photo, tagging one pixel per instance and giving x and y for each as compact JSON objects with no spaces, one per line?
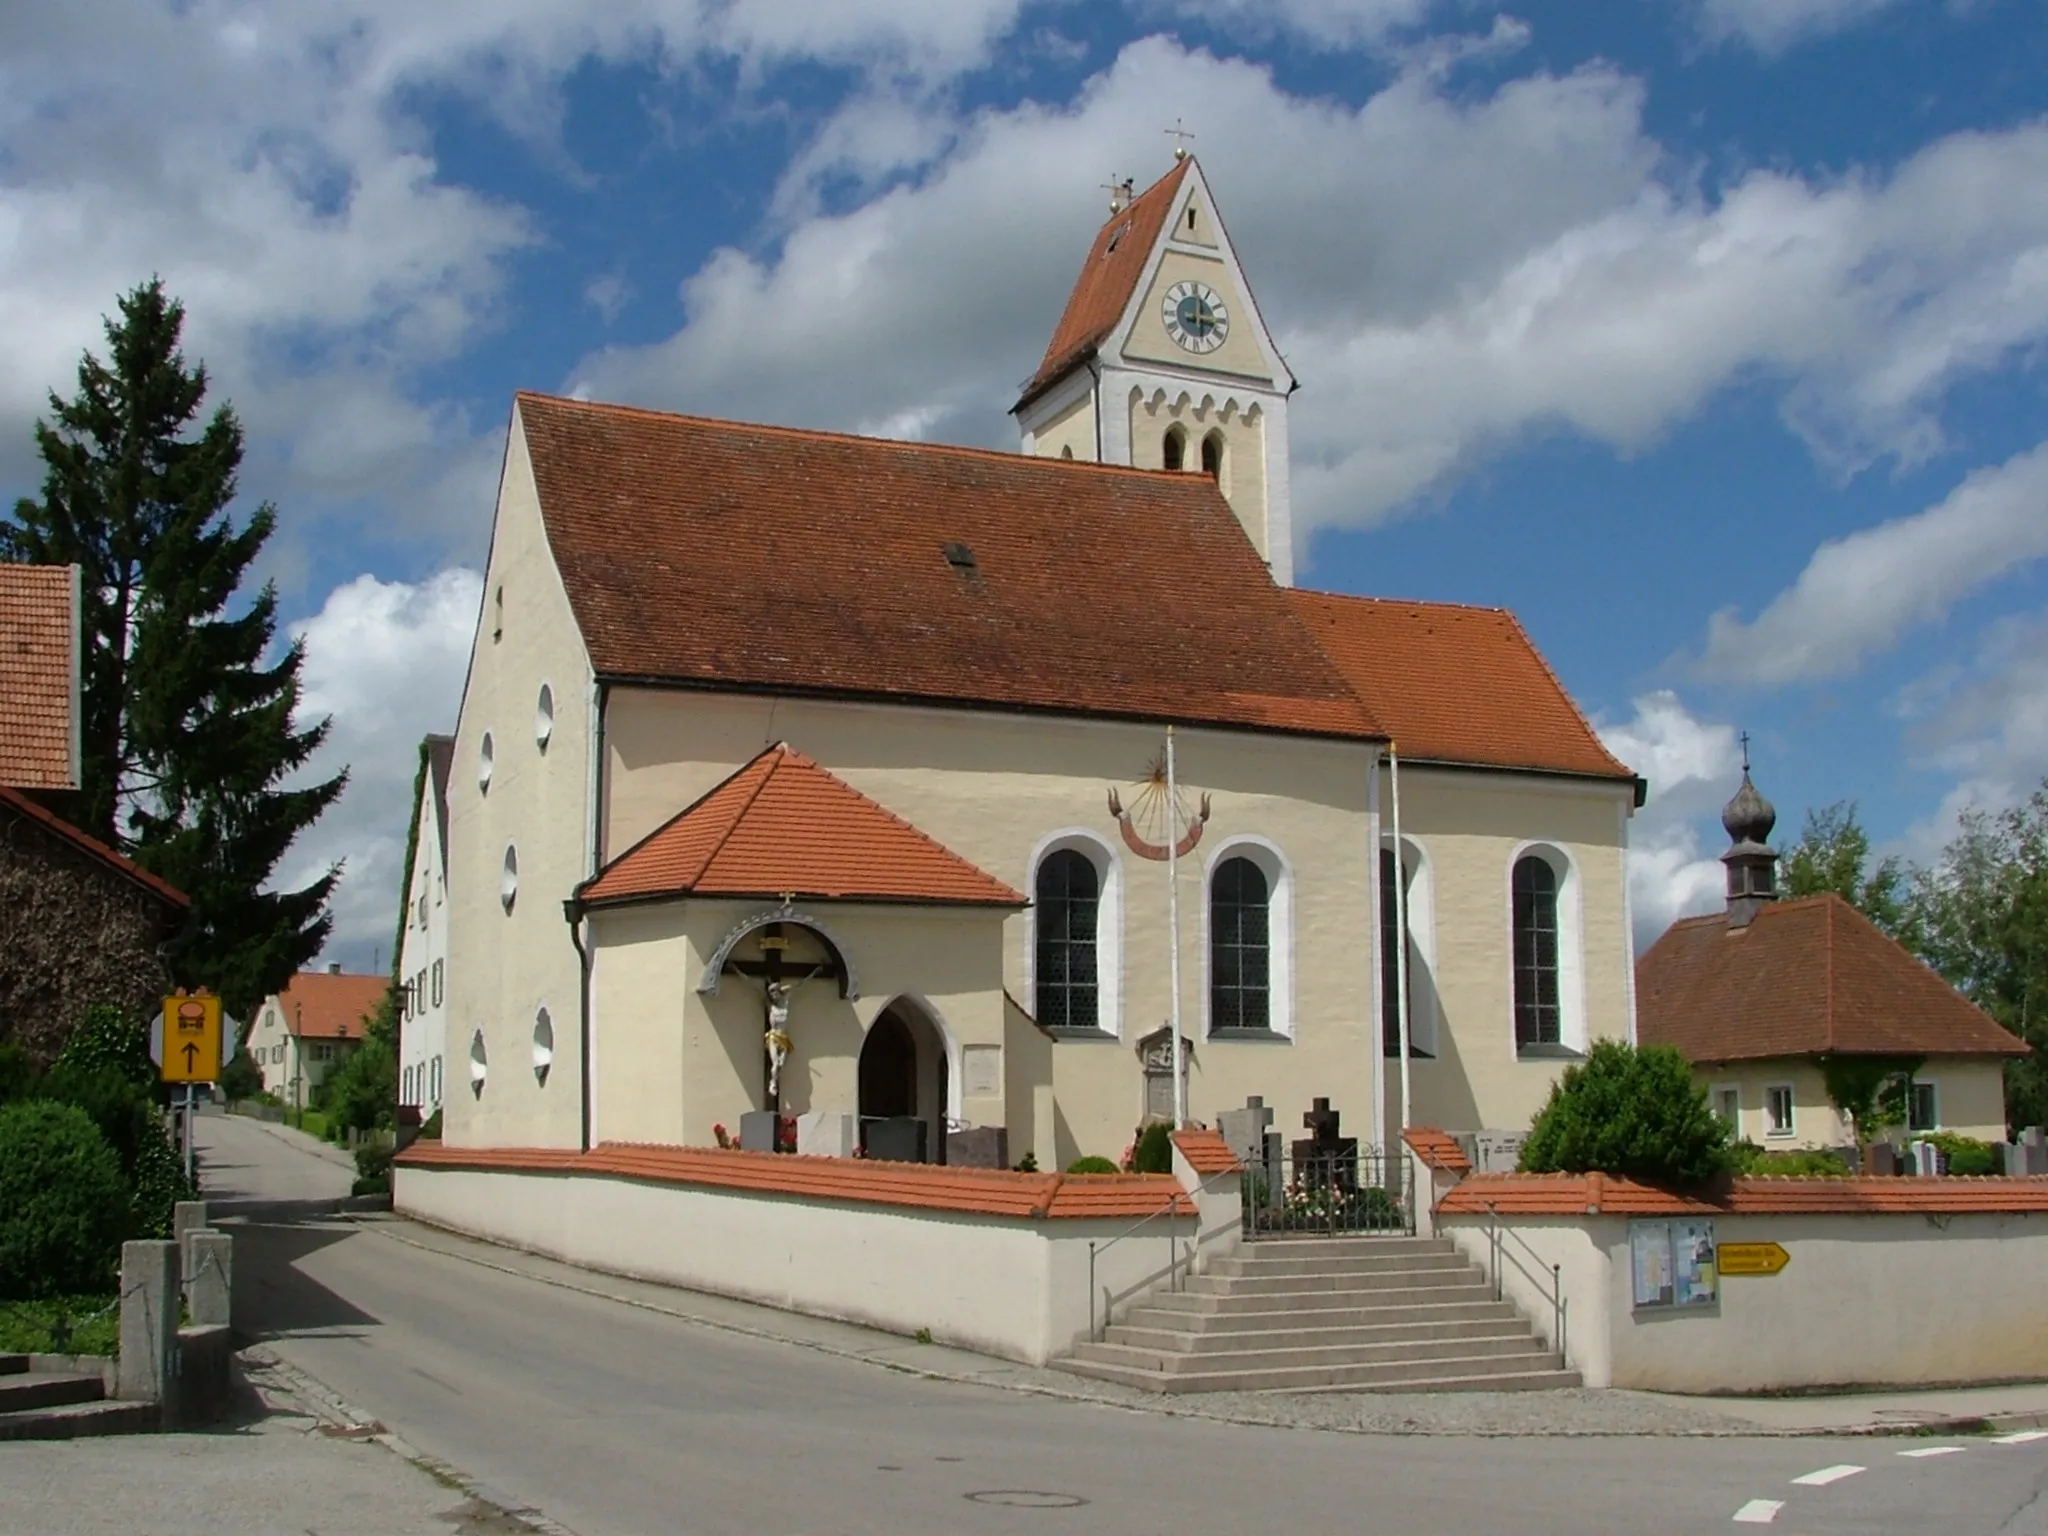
{"x":1014,"y":1288}
{"x":1529,"y":1247}
{"x":1866,"y":1300}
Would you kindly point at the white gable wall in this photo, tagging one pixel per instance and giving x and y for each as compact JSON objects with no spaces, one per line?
{"x":423,"y":966}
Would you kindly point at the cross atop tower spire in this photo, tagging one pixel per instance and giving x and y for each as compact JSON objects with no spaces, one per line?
{"x":1181,"y":137}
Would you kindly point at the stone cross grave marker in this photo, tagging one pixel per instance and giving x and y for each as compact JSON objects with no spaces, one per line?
{"x":1249,"y":1135}
{"x":1325,"y":1159}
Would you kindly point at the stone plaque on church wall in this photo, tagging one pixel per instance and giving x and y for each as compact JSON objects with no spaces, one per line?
{"x":1497,"y":1151}
{"x":981,"y":1071}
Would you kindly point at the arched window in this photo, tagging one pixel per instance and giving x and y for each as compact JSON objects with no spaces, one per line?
{"x":1176,"y":448}
{"x":1067,"y":452}
{"x":1212,"y":455}
{"x":1539,"y":1015}
{"x":1240,"y":947}
{"x":1067,"y":902}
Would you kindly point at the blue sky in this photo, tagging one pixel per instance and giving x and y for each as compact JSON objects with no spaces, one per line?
{"x":1705,"y":334}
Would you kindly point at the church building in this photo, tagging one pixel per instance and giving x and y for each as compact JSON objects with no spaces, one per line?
{"x":872,"y":782}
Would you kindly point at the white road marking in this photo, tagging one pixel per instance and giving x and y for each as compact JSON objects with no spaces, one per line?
{"x":1827,"y":1475}
{"x":1759,"y":1512}
{"x":1934,"y":1450}
{"x":2023,"y":1437}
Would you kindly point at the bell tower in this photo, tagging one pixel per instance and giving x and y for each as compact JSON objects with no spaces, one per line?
{"x":1160,"y":360}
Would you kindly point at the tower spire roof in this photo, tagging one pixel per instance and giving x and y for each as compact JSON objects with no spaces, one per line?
{"x":1751,"y":863}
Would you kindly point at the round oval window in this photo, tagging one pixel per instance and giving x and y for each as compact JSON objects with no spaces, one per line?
{"x":543,"y":1045}
{"x":484,"y":757}
{"x":479,"y":1062}
{"x":544,"y":716}
{"x":508,"y":881}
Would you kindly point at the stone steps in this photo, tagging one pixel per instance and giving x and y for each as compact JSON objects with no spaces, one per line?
{"x":75,"y":1421}
{"x":51,"y":1397}
{"x":1339,"y":1314}
{"x":47,"y":1389}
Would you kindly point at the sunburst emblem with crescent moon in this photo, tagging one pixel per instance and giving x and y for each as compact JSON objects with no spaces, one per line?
{"x":1157,"y":823}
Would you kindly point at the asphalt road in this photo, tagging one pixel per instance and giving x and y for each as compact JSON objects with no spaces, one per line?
{"x":616,"y":1421}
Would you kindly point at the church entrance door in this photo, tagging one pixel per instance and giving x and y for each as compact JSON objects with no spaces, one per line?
{"x":903,"y":1088}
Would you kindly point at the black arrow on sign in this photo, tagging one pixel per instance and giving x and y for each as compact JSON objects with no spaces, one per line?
{"x":191,"y":1057}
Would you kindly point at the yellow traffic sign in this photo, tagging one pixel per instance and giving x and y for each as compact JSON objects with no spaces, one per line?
{"x":1752,"y":1258}
{"x":191,"y":1040}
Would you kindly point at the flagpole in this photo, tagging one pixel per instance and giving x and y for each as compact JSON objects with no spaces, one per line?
{"x":1400,"y":932}
{"x":1180,"y":1082}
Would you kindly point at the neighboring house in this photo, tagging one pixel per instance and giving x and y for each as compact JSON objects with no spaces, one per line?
{"x":305,"y":1032}
{"x":80,"y":923}
{"x":423,"y":946}
{"x":1759,"y":995}
{"x":749,"y":701}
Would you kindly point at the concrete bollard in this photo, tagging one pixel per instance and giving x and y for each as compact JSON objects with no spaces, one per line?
{"x":187,"y":1217}
{"x":209,"y":1284}
{"x":147,"y":1371}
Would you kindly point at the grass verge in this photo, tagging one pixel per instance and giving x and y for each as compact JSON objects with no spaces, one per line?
{"x":61,"y":1325}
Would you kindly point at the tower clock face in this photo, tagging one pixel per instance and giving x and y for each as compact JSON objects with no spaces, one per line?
{"x":1195,"y":317}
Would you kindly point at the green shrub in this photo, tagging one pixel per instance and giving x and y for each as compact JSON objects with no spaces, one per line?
{"x":18,"y":1075}
{"x":64,"y":1209}
{"x":1802,"y":1163}
{"x":1092,"y":1165}
{"x":240,"y":1078}
{"x":1634,"y":1113}
{"x":431,"y":1131}
{"x":127,"y":1116}
{"x":1028,"y":1163}
{"x":61,"y":1325}
{"x":107,"y":1040}
{"x":1154,"y":1149}
{"x":1968,"y":1158}
{"x":373,"y":1170}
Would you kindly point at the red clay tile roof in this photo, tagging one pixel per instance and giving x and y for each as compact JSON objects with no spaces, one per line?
{"x":38,"y":676}
{"x":319,"y":1005}
{"x":1115,"y":267}
{"x":1453,"y":684}
{"x":1806,"y":977}
{"x":1207,"y":1152}
{"x":717,"y":554}
{"x":115,"y":860}
{"x":1437,"y":1149}
{"x":919,"y":1186}
{"x":1596,"y":1194}
{"x":784,"y":826}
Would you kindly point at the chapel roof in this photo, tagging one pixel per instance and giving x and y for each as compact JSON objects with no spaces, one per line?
{"x":330,"y":1005}
{"x":783,"y":826}
{"x":92,"y":847}
{"x":1802,"y":978}
{"x":720,"y":554}
{"x":38,"y":676}
{"x":1114,"y":268}
{"x":1453,"y":684}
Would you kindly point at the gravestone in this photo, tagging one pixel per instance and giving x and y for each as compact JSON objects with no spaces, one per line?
{"x":757,"y":1130}
{"x":1497,"y":1151}
{"x":1880,"y":1160}
{"x":2012,"y":1159}
{"x":1325,"y":1160}
{"x":900,"y":1139}
{"x":1248,"y":1134}
{"x":822,"y":1134}
{"x":1929,"y":1161}
{"x":1155,"y":1059}
{"x":2035,"y":1144}
{"x":979,"y":1146}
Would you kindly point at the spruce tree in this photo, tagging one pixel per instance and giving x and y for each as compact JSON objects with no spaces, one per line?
{"x":187,"y":734}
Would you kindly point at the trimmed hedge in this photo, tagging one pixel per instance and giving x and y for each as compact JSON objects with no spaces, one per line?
{"x":1154,"y":1152}
{"x":1635,"y":1113}
{"x":64,"y":1208}
{"x":1093,"y":1165}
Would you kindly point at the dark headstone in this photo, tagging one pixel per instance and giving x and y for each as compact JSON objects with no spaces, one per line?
{"x":981,"y":1146}
{"x":1325,"y":1160}
{"x":900,"y":1140}
{"x":1880,"y":1160}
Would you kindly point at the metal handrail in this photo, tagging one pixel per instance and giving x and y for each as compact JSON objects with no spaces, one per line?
{"x":1560,"y":1304}
{"x":1173,"y":1257}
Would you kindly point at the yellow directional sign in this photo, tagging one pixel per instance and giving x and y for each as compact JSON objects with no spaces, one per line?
{"x":191,"y":1040}
{"x":1752,"y":1258}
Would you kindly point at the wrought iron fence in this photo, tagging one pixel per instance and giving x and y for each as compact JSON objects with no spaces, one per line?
{"x":1344,"y":1192}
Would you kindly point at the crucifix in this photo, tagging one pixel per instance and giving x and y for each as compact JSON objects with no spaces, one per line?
{"x":776,"y":991}
{"x":1181,"y":137}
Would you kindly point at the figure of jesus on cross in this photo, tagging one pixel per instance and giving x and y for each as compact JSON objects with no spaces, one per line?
{"x":776,"y":993}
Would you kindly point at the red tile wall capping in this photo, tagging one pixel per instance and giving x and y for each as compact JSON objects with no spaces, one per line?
{"x":917,"y":1186}
{"x":1594,"y":1194}
{"x":113,"y":858}
{"x":1207,"y":1152}
{"x":1456,"y":685}
{"x":1437,"y":1149}
{"x":318,"y":1005}
{"x":711,"y":553}
{"x":1115,"y":267}
{"x":1803,"y":978}
{"x":783,"y":825}
{"x":36,"y":629}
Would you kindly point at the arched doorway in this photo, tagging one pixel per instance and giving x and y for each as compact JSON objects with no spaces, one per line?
{"x":903,"y":1087}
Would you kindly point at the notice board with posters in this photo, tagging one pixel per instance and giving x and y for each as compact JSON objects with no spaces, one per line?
{"x":1672,"y":1263}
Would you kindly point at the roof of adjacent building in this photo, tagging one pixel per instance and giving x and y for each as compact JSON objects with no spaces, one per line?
{"x":1453,"y":684}
{"x":723,"y":555}
{"x":38,"y":676}
{"x":918,"y":1186}
{"x":1115,"y":266}
{"x":1600,"y":1194}
{"x":1805,"y":977}
{"x":783,"y":826}
{"x":92,"y":847}
{"x":324,"y":1005}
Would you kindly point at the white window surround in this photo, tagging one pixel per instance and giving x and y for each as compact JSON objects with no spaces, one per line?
{"x":1931,"y":1121}
{"x":1727,"y":1102}
{"x":1417,"y":866}
{"x":1776,"y":1126}
{"x":1571,"y":942}
{"x":1272,"y":863}
{"x":1109,"y":922}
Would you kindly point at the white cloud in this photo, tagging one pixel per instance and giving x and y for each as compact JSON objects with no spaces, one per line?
{"x":1772,"y":26}
{"x":384,"y":664}
{"x":1692,"y":767}
{"x":1858,"y":595}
